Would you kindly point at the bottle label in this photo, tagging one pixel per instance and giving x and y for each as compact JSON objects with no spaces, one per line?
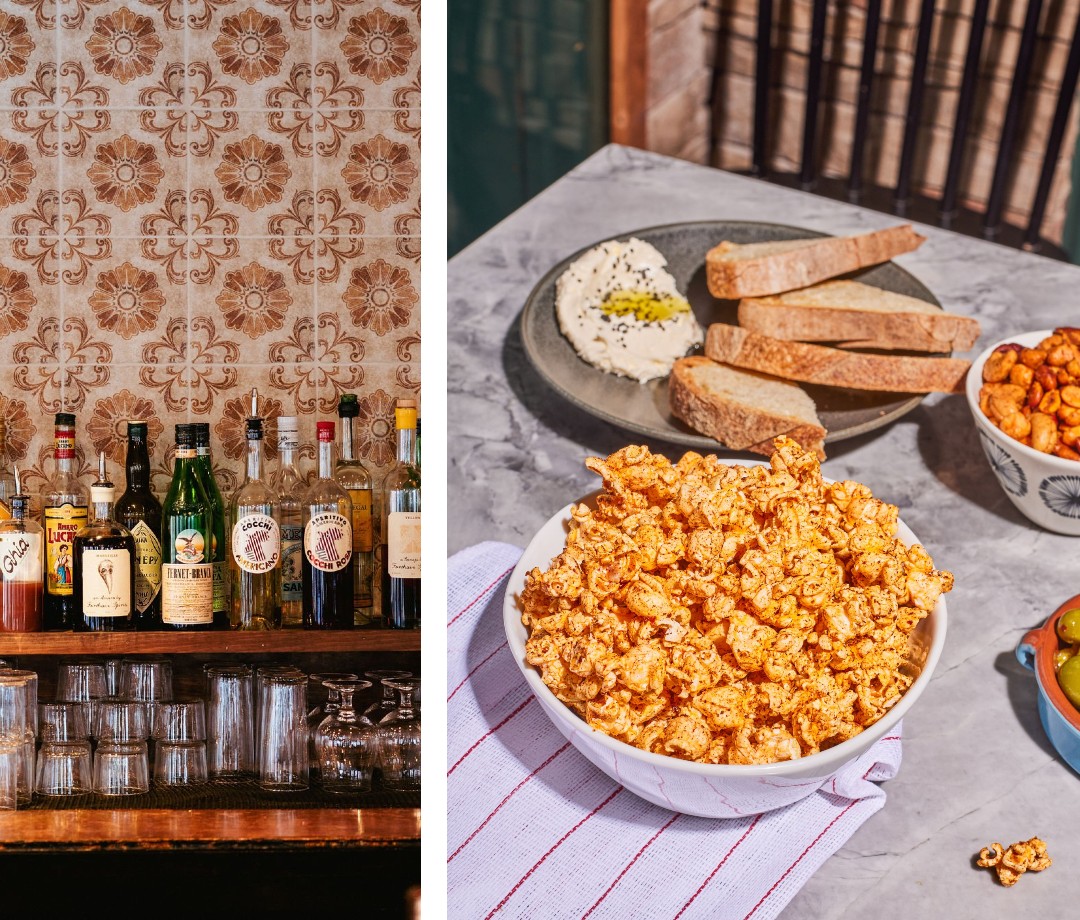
{"x":65,"y":446}
{"x":403,"y":544}
{"x":147,"y":565}
{"x":106,"y":582}
{"x":256,"y":543}
{"x":328,"y":541}
{"x":187,"y":594}
{"x":189,"y":547}
{"x":292,"y":584}
{"x":61,"y":524}
{"x":20,"y":556}
{"x":361,"y":520}
{"x":218,"y":599}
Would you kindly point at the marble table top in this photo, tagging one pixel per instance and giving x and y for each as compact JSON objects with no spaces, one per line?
{"x":977,"y":766}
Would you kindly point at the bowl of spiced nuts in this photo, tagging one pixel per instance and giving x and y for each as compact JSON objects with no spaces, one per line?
{"x":1024,"y":394}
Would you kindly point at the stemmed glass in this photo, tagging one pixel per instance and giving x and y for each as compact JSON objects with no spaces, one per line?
{"x":346,"y":742}
{"x":384,"y":706}
{"x":325,"y":698}
{"x":399,"y":738}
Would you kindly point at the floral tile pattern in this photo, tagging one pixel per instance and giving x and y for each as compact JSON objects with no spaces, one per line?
{"x":198,"y":198}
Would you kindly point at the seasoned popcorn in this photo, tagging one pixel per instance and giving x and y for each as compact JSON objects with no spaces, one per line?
{"x":728,"y":614}
{"x":1011,"y":863}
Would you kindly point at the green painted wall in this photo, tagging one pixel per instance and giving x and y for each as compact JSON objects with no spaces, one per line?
{"x":527,"y":97}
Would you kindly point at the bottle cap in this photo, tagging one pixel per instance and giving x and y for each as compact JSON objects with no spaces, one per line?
{"x":102,"y":493}
{"x":202,"y":433}
{"x":20,"y":503}
{"x":324,"y":431}
{"x":405,"y":413}
{"x":136,"y":427}
{"x":253,"y":429}
{"x":288,"y":432}
{"x":185,"y":437}
{"x":347,"y":406}
{"x":65,"y":418}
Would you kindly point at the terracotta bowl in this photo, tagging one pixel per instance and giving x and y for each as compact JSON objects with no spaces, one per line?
{"x":1060,"y":719}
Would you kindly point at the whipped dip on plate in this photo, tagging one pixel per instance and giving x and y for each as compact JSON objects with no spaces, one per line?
{"x":622,"y":311}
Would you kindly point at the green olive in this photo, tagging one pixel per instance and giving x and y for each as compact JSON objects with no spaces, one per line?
{"x":1061,"y":656}
{"x":1069,"y":679}
{"x":1068,"y":626}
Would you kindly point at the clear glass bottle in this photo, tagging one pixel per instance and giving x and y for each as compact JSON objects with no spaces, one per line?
{"x":255,"y":542}
{"x":289,"y":486}
{"x":66,"y":501}
{"x":22,"y":564}
{"x":187,"y":520}
{"x":7,"y":480}
{"x":327,"y":575}
{"x":139,"y":510}
{"x":104,"y":564}
{"x":355,"y":479}
{"x":399,"y":522}
{"x":346,"y":742}
{"x":219,"y":549}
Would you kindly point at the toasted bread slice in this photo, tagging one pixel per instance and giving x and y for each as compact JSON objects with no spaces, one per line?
{"x":743,"y":410}
{"x":734,"y":270}
{"x":834,"y":366}
{"x":857,"y":315}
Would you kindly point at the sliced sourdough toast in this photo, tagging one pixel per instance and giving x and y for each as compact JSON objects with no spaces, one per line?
{"x":743,"y":410}
{"x":857,"y":315}
{"x":734,"y":270}
{"x":834,"y":366}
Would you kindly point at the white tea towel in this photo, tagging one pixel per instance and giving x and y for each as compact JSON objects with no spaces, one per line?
{"x":535,"y":830}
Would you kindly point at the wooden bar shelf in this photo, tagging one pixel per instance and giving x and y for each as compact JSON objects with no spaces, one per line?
{"x":225,"y":642}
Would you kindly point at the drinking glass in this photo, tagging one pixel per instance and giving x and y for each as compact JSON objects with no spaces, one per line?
{"x":322,"y":700}
{"x":179,"y":763}
{"x":82,"y":681}
{"x":149,"y":680}
{"x":281,"y":752}
{"x":388,"y":701}
{"x":18,"y":696}
{"x":346,"y":742}
{"x":31,"y":679}
{"x":121,"y":768}
{"x":64,"y":760}
{"x":230,"y":721}
{"x":399,"y":739}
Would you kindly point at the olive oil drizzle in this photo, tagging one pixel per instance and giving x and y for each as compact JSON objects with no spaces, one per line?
{"x":647,"y":306}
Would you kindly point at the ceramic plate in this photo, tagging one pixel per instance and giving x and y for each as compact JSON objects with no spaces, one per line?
{"x":643,"y":408}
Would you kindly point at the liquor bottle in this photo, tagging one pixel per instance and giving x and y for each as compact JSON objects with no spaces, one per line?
{"x":104,"y":564}
{"x":355,"y":479}
{"x":327,"y":575}
{"x":400,"y":526}
{"x":187,"y":531}
{"x":219,"y":547}
{"x":139,"y":510}
{"x":65,"y":502}
{"x":289,"y":486}
{"x":7,"y":480}
{"x":255,"y":556}
{"x":22,"y":547}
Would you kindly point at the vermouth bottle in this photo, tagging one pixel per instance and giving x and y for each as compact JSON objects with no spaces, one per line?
{"x":219,"y":549}
{"x":139,"y":510}
{"x":289,"y":487}
{"x":255,"y":544}
{"x":187,"y":532}
{"x":104,"y":564}
{"x":22,"y":546}
{"x":355,"y":479}
{"x":65,"y":511}
{"x":400,"y":526}
{"x":327,"y":575}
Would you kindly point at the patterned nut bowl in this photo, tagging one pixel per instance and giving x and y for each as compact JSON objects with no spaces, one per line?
{"x":1060,"y":719}
{"x":1045,"y":488}
{"x":706,"y":790}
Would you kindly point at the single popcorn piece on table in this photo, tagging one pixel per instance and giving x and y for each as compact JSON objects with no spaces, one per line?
{"x":1024,"y":856}
{"x":729,"y":614}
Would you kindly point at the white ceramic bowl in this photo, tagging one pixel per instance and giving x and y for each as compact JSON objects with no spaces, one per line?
{"x":1045,"y":488}
{"x":707,"y":790}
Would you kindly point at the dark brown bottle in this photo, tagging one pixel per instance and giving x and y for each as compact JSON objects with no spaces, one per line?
{"x":139,"y":510}
{"x":104,"y":565}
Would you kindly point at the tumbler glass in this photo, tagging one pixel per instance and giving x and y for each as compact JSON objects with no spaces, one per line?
{"x":64,"y":760}
{"x":230,"y":721}
{"x":282,"y":759}
{"x":18,"y":696}
{"x":82,"y":681}
{"x":121,"y":768}
{"x":149,"y":680}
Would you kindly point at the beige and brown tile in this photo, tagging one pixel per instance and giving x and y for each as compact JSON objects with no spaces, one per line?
{"x":123,"y":173}
{"x":374,"y":47}
{"x":123,"y":45}
{"x":25,"y":302}
{"x":375,"y":173}
{"x":24,"y":50}
{"x":128,"y":299}
{"x":252,"y":47}
{"x":29,"y":171}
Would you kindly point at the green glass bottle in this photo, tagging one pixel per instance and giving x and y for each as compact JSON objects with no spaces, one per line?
{"x":187,"y":533}
{"x":204,"y":468}
{"x":139,"y":510}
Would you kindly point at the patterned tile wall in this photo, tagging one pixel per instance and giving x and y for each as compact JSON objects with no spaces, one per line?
{"x":198,"y":197}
